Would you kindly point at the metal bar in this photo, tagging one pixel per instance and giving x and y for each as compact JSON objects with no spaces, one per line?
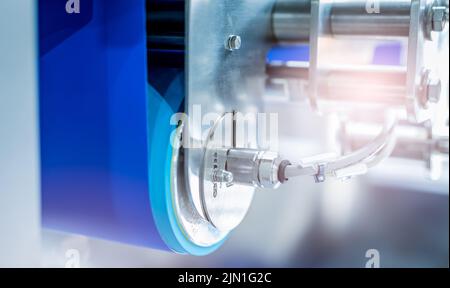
{"x":356,"y":18}
{"x":391,"y":19}
{"x":385,"y":85}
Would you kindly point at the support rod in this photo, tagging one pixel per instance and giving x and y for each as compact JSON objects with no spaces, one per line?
{"x":391,"y":19}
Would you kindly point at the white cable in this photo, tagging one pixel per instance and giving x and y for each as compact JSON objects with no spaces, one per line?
{"x":355,"y":163}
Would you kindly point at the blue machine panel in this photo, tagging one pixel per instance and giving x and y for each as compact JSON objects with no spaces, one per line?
{"x":93,"y":115}
{"x":108,"y":88}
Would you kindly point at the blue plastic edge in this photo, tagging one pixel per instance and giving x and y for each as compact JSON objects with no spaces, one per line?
{"x":161,"y":198}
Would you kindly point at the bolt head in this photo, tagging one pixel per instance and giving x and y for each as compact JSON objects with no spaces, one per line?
{"x":434,"y":89}
{"x":439,"y":18}
{"x":233,"y":43}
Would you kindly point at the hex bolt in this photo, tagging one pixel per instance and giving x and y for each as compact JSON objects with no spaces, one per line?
{"x":436,"y":18}
{"x":439,"y":17}
{"x":434,"y":89}
{"x":233,"y":43}
{"x":431,"y":88}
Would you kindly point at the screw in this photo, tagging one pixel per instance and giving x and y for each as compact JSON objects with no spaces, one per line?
{"x":222,"y":176}
{"x":233,"y":43}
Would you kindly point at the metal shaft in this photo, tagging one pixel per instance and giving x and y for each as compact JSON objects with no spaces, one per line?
{"x":254,"y":167}
{"x":356,"y":18}
{"x":389,"y":18}
{"x":291,"y":20}
{"x":352,"y":83}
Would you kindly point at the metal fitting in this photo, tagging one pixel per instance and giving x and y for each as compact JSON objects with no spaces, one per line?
{"x":434,"y":89}
{"x":268,"y":170}
{"x":233,"y":43}
{"x":320,"y":176}
{"x":430,"y":89}
{"x":439,"y":18}
{"x":253,"y":167}
{"x":436,"y":18}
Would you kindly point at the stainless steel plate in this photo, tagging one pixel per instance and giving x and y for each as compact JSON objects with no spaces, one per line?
{"x":194,"y":226}
{"x":219,"y":80}
{"x":225,"y":202}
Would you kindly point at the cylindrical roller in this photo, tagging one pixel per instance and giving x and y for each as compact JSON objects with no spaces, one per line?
{"x":358,"y":18}
{"x":389,"y":18}
{"x":383,"y":85}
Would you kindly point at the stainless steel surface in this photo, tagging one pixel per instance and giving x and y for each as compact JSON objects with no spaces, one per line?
{"x":268,"y":170}
{"x":354,"y":18}
{"x":224,"y":204}
{"x":254,"y":167}
{"x":196,"y":228}
{"x":380,"y":85}
{"x":219,"y":80}
{"x":243,"y":163}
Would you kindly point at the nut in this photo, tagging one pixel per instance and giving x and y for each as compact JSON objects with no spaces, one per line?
{"x":439,"y":18}
{"x":434,"y":89}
